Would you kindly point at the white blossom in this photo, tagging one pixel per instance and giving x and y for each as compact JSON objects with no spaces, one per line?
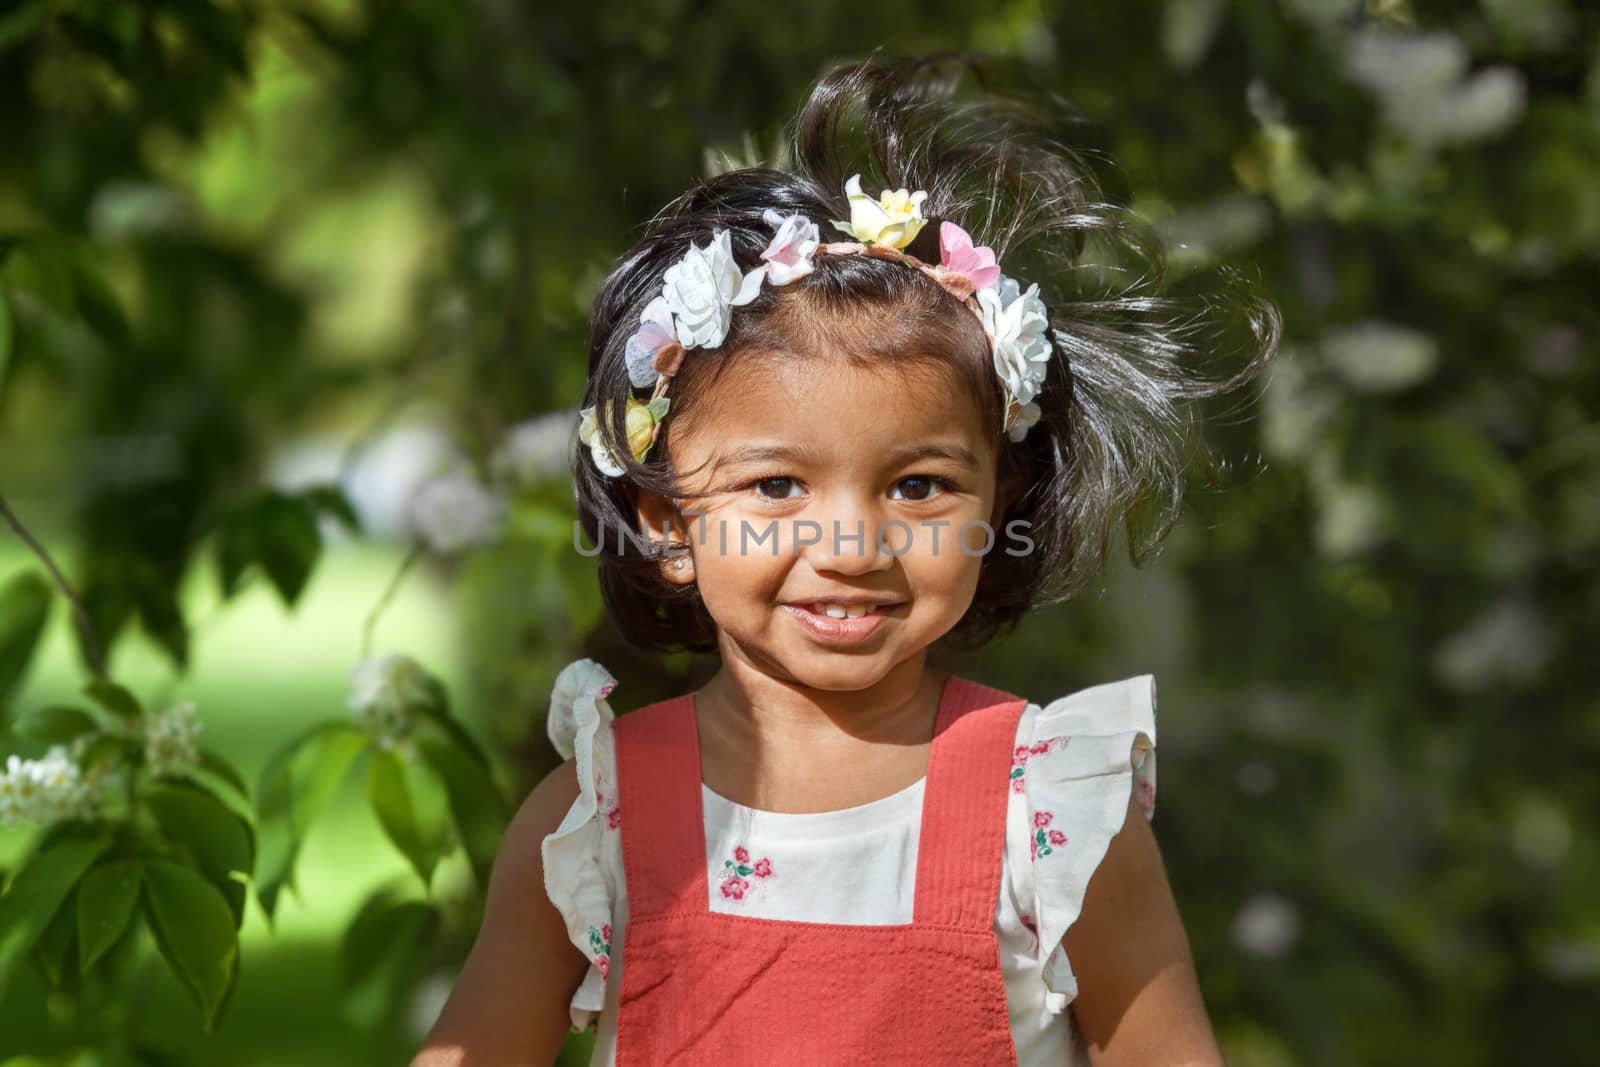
{"x":43,"y":791}
{"x":385,"y":691}
{"x":1019,"y":323}
{"x":702,"y":289}
{"x":170,"y":741}
{"x":455,"y":511}
{"x":535,"y":449}
{"x":1267,"y":925}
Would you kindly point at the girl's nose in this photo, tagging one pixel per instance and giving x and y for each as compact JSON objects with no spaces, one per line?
{"x":846,"y":545}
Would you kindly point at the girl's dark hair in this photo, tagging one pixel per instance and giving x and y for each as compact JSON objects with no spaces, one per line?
{"x":1110,"y":446}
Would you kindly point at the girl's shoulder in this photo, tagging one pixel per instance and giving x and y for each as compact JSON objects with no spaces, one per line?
{"x":1081,"y":761}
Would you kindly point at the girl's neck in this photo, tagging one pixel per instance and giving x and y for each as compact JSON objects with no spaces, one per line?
{"x":750,"y":710}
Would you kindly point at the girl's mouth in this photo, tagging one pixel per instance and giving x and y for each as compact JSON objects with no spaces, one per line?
{"x":838,"y":624}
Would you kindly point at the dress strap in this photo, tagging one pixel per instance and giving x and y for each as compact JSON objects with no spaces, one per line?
{"x":659,"y":806}
{"x":961,"y":845}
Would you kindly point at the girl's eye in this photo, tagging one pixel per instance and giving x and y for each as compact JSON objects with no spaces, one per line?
{"x":923,"y":487}
{"x":782,"y":485}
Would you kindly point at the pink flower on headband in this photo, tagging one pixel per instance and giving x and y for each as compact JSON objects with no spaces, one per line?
{"x":957,"y":253}
{"x":789,"y":255}
{"x":655,"y":332}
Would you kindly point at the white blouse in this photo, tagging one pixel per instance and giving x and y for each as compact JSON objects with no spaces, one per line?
{"x":1077,"y":761}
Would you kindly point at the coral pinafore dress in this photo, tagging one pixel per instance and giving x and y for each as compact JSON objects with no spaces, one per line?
{"x":698,"y":982}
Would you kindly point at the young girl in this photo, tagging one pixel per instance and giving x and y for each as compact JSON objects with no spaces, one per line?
{"x":898,"y":420}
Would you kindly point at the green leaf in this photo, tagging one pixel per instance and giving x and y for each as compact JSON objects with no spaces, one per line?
{"x":475,"y":802}
{"x":220,"y":842}
{"x":194,"y":928}
{"x":278,"y":532}
{"x":237,"y":548}
{"x":43,"y":267}
{"x":24,"y":610}
{"x":289,"y":544}
{"x":331,"y":500}
{"x":36,"y":893}
{"x":215,"y":764}
{"x":382,"y":951}
{"x":54,"y":949}
{"x":98,"y":306}
{"x":218,"y":778}
{"x":22,"y":21}
{"x":412,"y":807}
{"x":296,"y":785}
{"x":8,"y":328}
{"x":57,"y":724}
{"x":106,"y":899}
{"x":161,"y":616}
{"x":436,"y":709}
{"x":115,"y":699}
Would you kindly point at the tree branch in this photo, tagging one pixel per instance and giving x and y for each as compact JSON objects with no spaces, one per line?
{"x":80,"y":614}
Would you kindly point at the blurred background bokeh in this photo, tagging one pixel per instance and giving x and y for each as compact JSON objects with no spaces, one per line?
{"x":268,"y":268}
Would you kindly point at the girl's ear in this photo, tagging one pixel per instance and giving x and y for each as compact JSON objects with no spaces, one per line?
{"x":663,"y":520}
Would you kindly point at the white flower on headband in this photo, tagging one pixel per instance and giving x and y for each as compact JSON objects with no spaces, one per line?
{"x":704,"y":287}
{"x":892,"y":220}
{"x":789,"y":255}
{"x":1021,"y":418}
{"x":1019,"y":324}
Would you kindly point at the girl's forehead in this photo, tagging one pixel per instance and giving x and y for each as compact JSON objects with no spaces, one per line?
{"x":822,"y":400}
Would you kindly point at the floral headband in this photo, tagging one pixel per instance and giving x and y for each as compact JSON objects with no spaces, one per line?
{"x":700,"y":291}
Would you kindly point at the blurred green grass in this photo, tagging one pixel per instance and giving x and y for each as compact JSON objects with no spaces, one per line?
{"x":260,"y":675}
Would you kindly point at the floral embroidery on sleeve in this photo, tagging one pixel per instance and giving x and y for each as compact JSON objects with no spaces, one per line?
{"x":736,"y":873}
{"x":1044,"y":837}
{"x":600,"y":946}
{"x":1145,"y":795}
{"x":1019,"y":757}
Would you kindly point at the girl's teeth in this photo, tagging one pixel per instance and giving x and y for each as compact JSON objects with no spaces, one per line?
{"x":840,"y":611}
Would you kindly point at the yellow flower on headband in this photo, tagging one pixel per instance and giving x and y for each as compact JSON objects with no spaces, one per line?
{"x":893,"y":220}
{"x":643,"y":423}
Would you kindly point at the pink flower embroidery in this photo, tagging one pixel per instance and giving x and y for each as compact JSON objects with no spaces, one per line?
{"x":1042,"y":840}
{"x":1145,"y":796}
{"x":600,"y":947}
{"x":736,"y":873}
{"x":1020,"y":754}
{"x":614,"y":818}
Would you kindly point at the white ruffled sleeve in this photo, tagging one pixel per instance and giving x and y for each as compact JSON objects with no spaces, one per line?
{"x":579,"y":724}
{"x":1090,"y":751}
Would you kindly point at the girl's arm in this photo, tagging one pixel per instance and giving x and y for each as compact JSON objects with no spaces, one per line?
{"x":509,"y":1004}
{"x":1138,"y":997}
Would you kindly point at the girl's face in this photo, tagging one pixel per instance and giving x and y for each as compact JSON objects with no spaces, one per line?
{"x":799,"y":449}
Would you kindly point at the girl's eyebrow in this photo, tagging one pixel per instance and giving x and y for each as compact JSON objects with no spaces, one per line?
{"x":758,"y":453}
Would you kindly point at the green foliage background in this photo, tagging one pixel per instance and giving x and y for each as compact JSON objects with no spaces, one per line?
{"x":230,"y":229}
